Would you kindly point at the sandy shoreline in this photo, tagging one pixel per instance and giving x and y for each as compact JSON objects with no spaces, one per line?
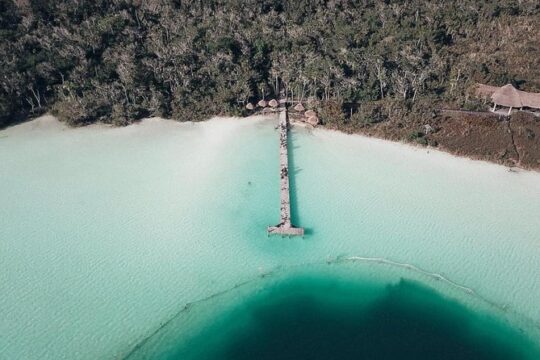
{"x":429,"y":149}
{"x":120,"y":222}
{"x":419,"y":149}
{"x":49,"y":122}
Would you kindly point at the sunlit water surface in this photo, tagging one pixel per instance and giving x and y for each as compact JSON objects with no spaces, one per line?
{"x":150,"y":242}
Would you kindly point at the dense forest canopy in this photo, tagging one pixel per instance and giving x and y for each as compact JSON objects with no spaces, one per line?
{"x":117,"y":61}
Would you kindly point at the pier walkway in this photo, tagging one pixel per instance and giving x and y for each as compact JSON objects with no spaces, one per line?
{"x":284,"y":228}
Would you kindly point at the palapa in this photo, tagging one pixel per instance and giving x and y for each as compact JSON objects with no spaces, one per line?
{"x":262,"y":103}
{"x":299,"y":107}
{"x":484,"y":91}
{"x":250,"y":106}
{"x":313,"y":120}
{"x":507,"y":96}
{"x":273,"y":103}
{"x":531,"y":100}
{"x":310,"y":113}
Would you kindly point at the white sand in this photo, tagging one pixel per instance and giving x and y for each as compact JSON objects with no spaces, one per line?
{"x":107,"y":232}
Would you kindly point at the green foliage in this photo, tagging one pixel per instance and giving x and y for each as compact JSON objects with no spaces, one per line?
{"x":119,"y":61}
{"x":418,"y":137}
{"x":474,"y":105}
{"x":9,"y":17}
{"x":331,"y":112}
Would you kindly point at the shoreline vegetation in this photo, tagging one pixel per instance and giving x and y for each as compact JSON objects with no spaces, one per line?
{"x":385,"y":69}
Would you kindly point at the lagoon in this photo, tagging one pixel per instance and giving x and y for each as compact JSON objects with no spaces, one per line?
{"x":108,"y":234}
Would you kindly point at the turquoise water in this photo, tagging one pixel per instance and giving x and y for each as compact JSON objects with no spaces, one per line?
{"x":334,"y":311}
{"x":106,"y":234}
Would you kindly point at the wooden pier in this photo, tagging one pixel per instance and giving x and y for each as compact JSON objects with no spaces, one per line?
{"x":285,"y":227}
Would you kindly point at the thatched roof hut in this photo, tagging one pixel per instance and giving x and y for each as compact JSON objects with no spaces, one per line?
{"x":484,"y":91}
{"x":250,"y":106}
{"x":273,"y":103}
{"x":507,"y":96}
{"x":299,"y":107}
{"x":310,"y":113}
{"x":531,"y":100}
{"x":313,"y":120}
{"x":262,"y":103}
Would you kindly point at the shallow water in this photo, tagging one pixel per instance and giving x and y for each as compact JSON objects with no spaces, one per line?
{"x":337,"y":310}
{"x":108,"y":233}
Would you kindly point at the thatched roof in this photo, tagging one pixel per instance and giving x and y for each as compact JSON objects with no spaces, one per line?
{"x":310,"y":113}
{"x":531,"y":100}
{"x":299,"y":107}
{"x":273,"y":103}
{"x":507,"y":96}
{"x":250,"y":106}
{"x":484,"y":91}
{"x":262,"y":103}
{"x":312,"y":120}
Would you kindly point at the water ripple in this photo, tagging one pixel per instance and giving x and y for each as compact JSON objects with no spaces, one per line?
{"x":335,"y":261}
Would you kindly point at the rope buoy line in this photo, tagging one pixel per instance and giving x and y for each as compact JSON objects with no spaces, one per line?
{"x":333,"y":261}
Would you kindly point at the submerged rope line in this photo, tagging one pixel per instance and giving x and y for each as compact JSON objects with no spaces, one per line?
{"x":184,"y":309}
{"x":190,"y":304}
{"x":436,"y":276}
{"x":337,"y":260}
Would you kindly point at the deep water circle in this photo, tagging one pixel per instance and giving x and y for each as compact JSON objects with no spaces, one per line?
{"x":314,"y":318}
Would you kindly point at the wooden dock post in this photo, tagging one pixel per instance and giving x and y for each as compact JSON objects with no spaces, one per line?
{"x":285,"y":227}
